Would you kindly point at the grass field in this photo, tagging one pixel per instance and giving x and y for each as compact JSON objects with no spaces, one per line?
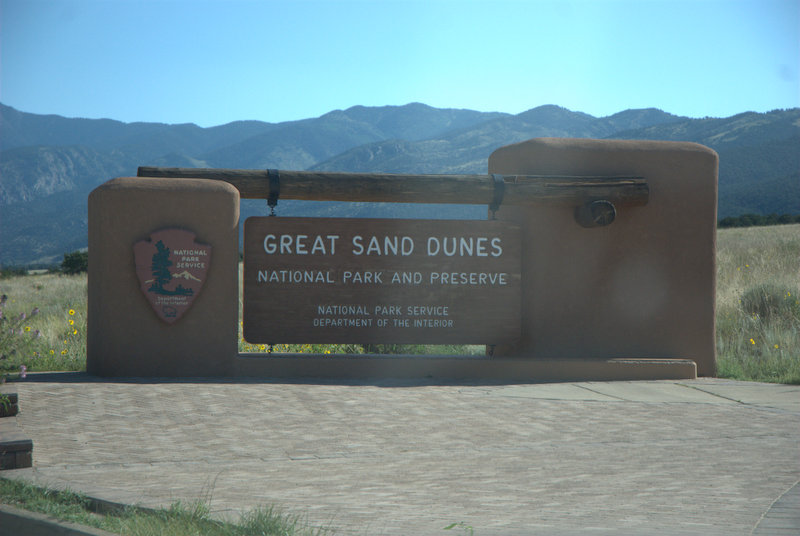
{"x":758,"y":303}
{"x":43,"y":325}
{"x":758,"y":313}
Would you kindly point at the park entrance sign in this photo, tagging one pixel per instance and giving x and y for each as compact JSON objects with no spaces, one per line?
{"x":331,"y":280}
{"x":597,"y":262}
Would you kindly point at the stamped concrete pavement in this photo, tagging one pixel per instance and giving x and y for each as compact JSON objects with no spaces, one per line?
{"x":702,"y":456}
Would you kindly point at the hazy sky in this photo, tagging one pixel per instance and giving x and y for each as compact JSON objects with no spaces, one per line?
{"x":209,"y":63}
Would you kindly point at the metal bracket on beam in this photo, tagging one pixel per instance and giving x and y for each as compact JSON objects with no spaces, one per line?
{"x":274,"y":177}
{"x":598,"y":213}
{"x":499,"y":191}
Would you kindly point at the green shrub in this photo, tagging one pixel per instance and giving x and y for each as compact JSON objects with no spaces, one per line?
{"x":15,"y":271}
{"x":16,"y":337}
{"x":770,"y":301}
{"x":75,"y":262}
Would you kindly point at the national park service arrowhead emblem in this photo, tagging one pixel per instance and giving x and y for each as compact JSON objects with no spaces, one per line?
{"x":172,"y":268}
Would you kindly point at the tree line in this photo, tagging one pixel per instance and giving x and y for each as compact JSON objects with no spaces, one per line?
{"x":753,"y":220}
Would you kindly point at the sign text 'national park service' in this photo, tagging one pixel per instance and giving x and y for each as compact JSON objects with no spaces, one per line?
{"x":172,"y":268}
{"x":329,"y":280}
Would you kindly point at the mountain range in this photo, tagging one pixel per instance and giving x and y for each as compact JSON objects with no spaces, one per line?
{"x":49,"y":163}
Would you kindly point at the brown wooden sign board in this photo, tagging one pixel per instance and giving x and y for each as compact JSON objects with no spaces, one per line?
{"x":336,"y":280}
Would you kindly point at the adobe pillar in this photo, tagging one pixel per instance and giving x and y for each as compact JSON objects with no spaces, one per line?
{"x":642,"y":287}
{"x":183,"y":321}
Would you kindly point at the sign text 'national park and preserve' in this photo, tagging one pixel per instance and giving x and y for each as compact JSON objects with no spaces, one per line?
{"x":329,"y":280}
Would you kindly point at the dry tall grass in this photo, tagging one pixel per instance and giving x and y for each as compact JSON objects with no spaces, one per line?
{"x":55,"y":337}
{"x":758,"y":303}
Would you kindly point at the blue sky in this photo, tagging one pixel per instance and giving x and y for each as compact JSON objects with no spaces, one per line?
{"x":210,"y":63}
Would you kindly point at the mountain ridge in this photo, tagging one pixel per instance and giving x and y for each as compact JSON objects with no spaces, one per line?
{"x":49,"y":163}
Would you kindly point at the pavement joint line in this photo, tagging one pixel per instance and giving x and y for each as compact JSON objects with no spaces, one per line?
{"x":697,"y":388}
{"x":754,"y":405}
{"x":600,"y":393}
{"x":771,"y":506}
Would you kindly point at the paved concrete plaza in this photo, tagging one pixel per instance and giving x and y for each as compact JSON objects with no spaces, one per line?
{"x":702,"y":456}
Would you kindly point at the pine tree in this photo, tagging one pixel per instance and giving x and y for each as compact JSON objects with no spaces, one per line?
{"x":160,"y":268}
